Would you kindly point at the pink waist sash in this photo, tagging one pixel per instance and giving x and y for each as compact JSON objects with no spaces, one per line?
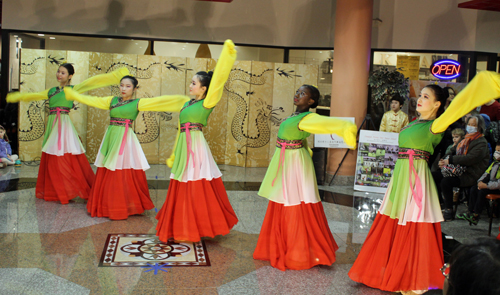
{"x":188,"y":127}
{"x":413,"y":154}
{"x":122,"y":122}
{"x":58,"y":111}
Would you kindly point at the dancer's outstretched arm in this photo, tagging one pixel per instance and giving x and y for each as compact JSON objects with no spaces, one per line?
{"x":483,"y":88}
{"x":95,"y":82}
{"x":317,"y":124}
{"x":101,"y":80}
{"x":93,"y":101}
{"x":18,"y":96}
{"x":165,"y":103}
{"x":221,"y":74}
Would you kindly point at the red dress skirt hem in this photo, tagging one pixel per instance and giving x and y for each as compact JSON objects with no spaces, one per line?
{"x":400,"y":257}
{"x":195,"y":209}
{"x":119,"y":194}
{"x":62,"y":178}
{"x":295,"y":237}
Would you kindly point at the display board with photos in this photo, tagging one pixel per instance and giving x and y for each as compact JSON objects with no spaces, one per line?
{"x":377,"y":156}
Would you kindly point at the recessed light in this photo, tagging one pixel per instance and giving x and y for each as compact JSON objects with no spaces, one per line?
{"x":41,"y":35}
{"x":52,"y":38}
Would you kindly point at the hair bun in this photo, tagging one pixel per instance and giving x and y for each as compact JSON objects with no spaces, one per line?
{"x":210,"y":73}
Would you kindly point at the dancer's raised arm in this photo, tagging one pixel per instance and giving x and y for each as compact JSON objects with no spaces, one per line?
{"x":101,"y":80}
{"x":221,"y":74}
{"x":483,"y":88}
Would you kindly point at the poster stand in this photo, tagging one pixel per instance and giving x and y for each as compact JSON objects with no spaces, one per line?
{"x":366,"y":120}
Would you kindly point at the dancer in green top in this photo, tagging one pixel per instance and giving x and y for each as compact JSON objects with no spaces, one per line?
{"x":64,"y":172}
{"x":121,"y":188}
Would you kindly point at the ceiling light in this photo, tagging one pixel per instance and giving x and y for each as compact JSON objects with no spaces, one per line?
{"x":41,"y":35}
{"x":52,"y":38}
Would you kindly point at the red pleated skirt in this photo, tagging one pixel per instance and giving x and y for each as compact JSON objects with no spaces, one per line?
{"x":400,"y":257}
{"x":295,"y":237}
{"x":119,"y":194}
{"x":195,"y":209}
{"x":62,"y":178}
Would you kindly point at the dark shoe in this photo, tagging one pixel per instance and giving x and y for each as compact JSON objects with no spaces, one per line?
{"x":473,"y":219}
{"x":448,"y":215}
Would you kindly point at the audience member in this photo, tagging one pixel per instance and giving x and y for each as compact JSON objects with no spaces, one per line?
{"x":492,"y":109}
{"x":473,"y":269}
{"x":471,"y":156}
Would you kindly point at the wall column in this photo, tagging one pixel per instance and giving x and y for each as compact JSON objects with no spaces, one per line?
{"x":352,"y":43}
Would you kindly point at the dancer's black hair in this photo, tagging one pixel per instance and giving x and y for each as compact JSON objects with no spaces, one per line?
{"x":205,"y":78}
{"x":69,"y":67}
{"x":133,"y":79}
{"x":441,"y":96}
{"x":314,"y":95}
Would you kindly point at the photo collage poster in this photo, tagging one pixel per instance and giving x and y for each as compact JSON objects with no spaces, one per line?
{"x":377,"y":156}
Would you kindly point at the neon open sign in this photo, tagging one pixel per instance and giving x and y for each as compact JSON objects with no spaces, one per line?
{"x":446,"y":69}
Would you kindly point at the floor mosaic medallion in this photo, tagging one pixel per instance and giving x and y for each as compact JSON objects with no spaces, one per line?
{"x":140,"y":250}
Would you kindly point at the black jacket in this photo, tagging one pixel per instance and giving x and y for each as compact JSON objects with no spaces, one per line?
{"x":476,"y":161}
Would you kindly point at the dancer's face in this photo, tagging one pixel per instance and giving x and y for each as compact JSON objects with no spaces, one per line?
{"x":427,"y":102}
{"x":195,"y":87}
{"x":127,"y":88}
{"x":2,"y":133}
{"x":302,"y":98}
{"x":63,"y":76}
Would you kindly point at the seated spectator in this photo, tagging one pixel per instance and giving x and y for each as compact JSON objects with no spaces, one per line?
{"x":489,"y":135}
{"x":5,"y":150}
{"x":395,"y":119}
{"x":473,"y":269}
{"x":492,"y":109}
{"x":470,"y":154}
{"x":489,"y":183}
{"x":457,"y":135}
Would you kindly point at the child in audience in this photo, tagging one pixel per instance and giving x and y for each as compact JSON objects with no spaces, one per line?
{"x":458,"y":134}
{"x":6,"y":155}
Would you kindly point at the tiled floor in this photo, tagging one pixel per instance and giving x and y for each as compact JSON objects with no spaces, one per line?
{"x":55,"y":249}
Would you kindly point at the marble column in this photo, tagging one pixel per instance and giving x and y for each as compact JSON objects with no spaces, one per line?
{"x":351,"y":65}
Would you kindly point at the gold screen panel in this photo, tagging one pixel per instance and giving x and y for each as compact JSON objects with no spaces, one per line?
{"x":78,"y":114}
{"x":97,"y":119}
{"x":238,"y":88}
{"x":173,"y":81}
{"x":32,"y":114}
{"x":283,"y":92}
{"x":260,"y":114}
{"x":147,"y":124}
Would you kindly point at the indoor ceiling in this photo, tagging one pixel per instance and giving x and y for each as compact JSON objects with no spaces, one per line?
{"x":492,"y":5}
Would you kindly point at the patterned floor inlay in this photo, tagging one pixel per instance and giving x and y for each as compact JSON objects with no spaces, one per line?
{"x":134,"y":250}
